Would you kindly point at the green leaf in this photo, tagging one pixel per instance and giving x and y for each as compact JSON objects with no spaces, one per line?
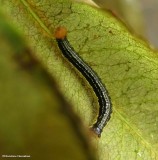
{"x":125,"y":64}
{"x":35,"y":119}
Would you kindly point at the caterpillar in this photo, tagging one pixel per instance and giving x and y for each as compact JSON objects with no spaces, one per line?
{"x":104,"y":100}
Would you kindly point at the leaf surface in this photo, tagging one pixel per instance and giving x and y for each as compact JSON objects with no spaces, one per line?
{"x":35,"y":120}
{"x":124,"y":63}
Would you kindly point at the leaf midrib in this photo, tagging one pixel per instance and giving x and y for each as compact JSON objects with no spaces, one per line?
{"x":135,"y":131}
{"x":34,"y":15}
